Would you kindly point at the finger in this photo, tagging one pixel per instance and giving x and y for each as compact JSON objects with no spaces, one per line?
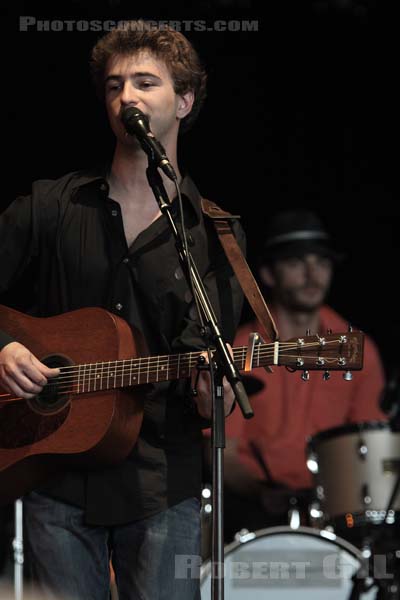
{"x":30,"y":370}
{"x":14,"y":388}
{"x":205,"y":356}
{"x":3,"y":381}
{"x":44,"y":369}
{"x":196,"y":372}
{"x":26,"y":383}
{"x":15,"y":371}
{"x":203,"y":382}
{"x":25,"y":363}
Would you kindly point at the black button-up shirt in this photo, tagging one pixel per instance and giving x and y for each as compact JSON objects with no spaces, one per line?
{"x":72,"y":233}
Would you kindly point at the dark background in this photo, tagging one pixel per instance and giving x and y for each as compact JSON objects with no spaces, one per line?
{"x":300,"y":113}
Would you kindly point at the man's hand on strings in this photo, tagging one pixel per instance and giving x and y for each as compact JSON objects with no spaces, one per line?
{"x":21,"y":373}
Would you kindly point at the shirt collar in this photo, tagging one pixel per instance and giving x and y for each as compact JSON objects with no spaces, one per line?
{"x":83,"y":178}
{"x":98,"y":175}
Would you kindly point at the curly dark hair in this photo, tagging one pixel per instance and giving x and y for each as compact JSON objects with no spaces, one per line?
{"x":164,"y":43}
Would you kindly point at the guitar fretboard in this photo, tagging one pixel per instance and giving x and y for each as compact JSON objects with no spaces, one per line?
{"x":337,"y":352}
{"x":99,"y":376}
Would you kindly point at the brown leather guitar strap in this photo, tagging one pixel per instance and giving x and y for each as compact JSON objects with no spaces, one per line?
{"x":221,"y":220}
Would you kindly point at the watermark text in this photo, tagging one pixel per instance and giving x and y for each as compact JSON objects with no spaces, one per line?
{"x":30,"y":23}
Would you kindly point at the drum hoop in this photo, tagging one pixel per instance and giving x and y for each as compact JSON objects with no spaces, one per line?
{"x":334,"y":432}
{"x":322,"y":534}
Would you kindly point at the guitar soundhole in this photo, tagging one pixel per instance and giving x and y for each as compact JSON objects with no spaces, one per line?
{"x":30,"y":421}
{"x":54,"y":396}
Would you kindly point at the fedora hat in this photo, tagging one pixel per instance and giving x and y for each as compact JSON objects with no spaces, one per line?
{"x":295,"y":233}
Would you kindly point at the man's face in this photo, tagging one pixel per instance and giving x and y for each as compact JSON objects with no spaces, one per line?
{"x":143,"y":81}
{"x":301,"y":283}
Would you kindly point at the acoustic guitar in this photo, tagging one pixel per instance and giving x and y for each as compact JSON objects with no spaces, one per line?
{"x":91,"y":413}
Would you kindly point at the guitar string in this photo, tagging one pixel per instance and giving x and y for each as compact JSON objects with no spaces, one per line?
{"x":267,"y":350}
{"x":187,"y":360}
{"x":90,"y":375}
{"x":87,"y":377}
{"x":237,"y":350}
{"x":85,"y":383}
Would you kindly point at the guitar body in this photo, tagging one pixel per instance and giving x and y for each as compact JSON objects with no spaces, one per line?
{"x":85,"y":430}
{"x":91,"y":413}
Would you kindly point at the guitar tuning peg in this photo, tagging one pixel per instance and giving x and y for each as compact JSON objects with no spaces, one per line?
{"x":308,"y":331}
{"x":350,"y":329}
{"x":305,"y":375}
{"x":348,"y":376}
{"x":329,"y":331}
{"x":326,"y":375}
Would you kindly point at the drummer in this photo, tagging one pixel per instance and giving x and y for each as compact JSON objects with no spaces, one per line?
{"x":266,"y":476}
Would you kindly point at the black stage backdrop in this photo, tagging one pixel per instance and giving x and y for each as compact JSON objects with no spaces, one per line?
{"x":300,"y":113}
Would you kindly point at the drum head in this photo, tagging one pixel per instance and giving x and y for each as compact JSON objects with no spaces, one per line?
{"x":285,"y":564}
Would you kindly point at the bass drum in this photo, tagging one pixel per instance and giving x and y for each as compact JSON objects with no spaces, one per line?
{"x":281,"y":563}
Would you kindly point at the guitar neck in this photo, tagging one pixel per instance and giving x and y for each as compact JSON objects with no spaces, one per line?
{"x":150,"y":369}
{"x":333,"y":352}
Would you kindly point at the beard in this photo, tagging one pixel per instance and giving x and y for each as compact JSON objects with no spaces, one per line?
{"x":306,"y":299}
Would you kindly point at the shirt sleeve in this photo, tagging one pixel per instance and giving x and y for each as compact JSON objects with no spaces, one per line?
{"x":18,"y":245}
{"x":5,"y":339}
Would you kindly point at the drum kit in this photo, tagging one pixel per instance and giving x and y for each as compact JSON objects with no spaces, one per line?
{"x":351,"y":551}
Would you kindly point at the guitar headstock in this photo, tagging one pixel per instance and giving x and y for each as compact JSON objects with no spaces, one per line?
{"x":331,"y":352}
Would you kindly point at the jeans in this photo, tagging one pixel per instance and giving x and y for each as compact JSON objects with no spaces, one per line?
{"x":69,"y":560}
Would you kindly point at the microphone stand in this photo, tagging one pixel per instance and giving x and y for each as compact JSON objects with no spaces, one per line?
{"x":18,"y":547}
{"x":225,"y":367}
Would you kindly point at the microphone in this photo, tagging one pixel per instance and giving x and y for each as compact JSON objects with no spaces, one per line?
{"x":137,"y":123}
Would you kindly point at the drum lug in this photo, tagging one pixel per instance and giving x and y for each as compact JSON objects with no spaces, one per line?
{"x":312,"y":463}
{"x":244,"y":535}
{"x":365,"y":497}
{"x":294,"y":518}
{"x":320,"y":492}
{"x":362,"y":449}
{"x":315,"y":511}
